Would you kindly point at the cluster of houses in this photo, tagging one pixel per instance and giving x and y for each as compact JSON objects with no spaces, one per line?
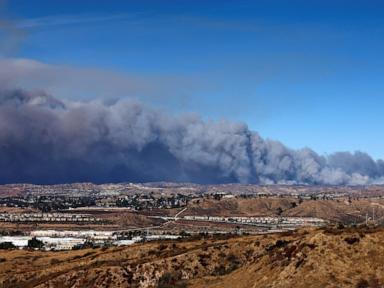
{"x":262,"y":221}
{"x":86,"y":234}
{"x":47,"y":217}
{"x":137,"y":201}
{"x":150,"y":201}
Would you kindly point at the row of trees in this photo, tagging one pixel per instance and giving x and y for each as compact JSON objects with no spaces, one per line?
{"x":33,"y":243}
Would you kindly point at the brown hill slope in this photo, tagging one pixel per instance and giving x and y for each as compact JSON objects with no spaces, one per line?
{"x":334,"y":210}
{"x":308,"y":258}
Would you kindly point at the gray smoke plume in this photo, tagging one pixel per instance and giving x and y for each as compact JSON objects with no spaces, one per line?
{"x":47,"y":140}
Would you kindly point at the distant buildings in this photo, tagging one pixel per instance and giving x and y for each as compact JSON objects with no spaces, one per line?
{"x":67,"y":240}
{"x":47,"y":217}
{"x":282,"y":222}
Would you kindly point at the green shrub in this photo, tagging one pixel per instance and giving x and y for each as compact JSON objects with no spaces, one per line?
{"x":7,"y":245}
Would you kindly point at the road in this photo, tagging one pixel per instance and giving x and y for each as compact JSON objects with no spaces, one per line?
{"x":178,"y":214}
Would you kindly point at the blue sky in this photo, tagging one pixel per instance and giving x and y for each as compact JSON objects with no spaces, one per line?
{"x":307,"y":73}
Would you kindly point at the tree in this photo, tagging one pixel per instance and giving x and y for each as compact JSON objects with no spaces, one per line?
{"x":300,"y":200}
{"x":184,"y":234}
{"x":279,"y":211}
{"x":35,"y":243}
{"x":7,"y":245}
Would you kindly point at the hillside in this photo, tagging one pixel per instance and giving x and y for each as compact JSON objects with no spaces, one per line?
{"x":340,"y":210}
{"x":307,"y":258}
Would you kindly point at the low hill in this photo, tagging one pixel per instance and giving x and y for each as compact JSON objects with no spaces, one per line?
{"x":340,"y":210}
{"x":307,"y":258}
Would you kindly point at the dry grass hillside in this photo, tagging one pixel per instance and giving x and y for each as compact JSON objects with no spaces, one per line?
{"x":334,"y":210}
{"x":307,"y":258}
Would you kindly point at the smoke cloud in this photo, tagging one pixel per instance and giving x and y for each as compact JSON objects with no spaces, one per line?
{"x":47,"y":140}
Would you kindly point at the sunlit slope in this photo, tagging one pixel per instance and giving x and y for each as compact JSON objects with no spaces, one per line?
{"x":308,"y":258}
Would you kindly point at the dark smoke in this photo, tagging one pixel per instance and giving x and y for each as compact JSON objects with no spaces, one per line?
{"x":47,"y":140}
